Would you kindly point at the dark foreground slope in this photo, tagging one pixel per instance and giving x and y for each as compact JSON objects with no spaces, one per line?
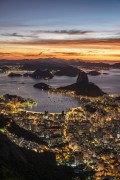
{"x":20,"y":164}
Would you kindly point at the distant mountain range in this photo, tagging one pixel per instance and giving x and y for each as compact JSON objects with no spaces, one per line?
{"x":54,"y":63}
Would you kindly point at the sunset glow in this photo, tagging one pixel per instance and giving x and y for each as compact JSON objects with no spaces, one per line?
{"x":91,"y":32}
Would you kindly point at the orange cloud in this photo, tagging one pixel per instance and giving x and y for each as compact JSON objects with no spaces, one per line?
{"x":87,"y":49}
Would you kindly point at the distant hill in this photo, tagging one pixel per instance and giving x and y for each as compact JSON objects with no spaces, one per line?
{"x":93,"y":73}
{"x":44,"y":74}
{"x":81,"y":87}
{"x":68,"y":71}
{"x":84,"y":87}
{"x":56,"y":64}
{"x":42,"y":86}
{"x":48,"y":63}
{"x":14,"y":74}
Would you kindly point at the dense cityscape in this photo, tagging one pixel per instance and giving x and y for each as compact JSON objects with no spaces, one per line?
{"x":86,"y":138}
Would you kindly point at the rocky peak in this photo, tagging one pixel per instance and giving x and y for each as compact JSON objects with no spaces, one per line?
{"x":82,"y":77}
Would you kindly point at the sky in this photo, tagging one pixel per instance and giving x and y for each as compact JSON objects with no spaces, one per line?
{"x":67,"y":29}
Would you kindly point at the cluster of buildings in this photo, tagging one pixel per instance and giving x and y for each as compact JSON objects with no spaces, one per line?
{"x":88,"y":135}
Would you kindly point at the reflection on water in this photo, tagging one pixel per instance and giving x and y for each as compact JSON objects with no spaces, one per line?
{"x":23,"y":86}
{"x":110,"y":82}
